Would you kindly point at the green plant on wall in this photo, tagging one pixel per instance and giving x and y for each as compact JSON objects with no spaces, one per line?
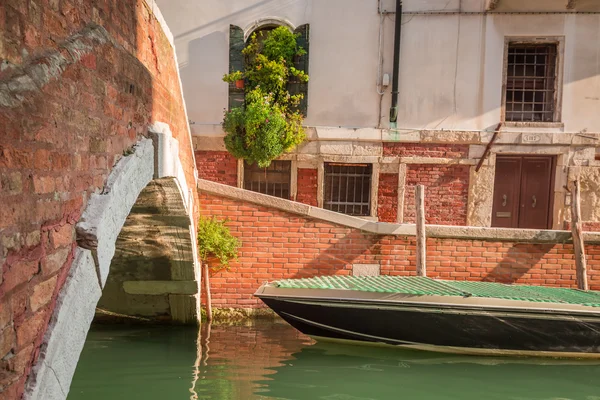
{"x":215,"y":240}
{"x":269,"y":124}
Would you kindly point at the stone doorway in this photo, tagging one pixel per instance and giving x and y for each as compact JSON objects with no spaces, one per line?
{"x":523,"y":188}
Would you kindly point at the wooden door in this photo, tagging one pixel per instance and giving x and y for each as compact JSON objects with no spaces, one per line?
{"x":522,"y":192}
{"x":507,"y":185}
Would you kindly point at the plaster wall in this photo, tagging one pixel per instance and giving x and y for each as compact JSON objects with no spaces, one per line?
{"x":451,"y":68}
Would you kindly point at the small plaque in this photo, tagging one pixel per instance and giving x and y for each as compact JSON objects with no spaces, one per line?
{"x":503,"y":214}
{"x":531,"y":138}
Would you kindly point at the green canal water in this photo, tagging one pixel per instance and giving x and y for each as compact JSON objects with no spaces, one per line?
{"x":272,"y":361}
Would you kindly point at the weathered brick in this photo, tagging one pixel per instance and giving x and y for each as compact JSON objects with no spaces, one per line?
{"x":11,"y":183}
{"x":307,"y":186}
{"x":5,"y":314}
{"x":56,"y":260}
{"x":446,"y":193}
{"x":43,"y":184}
{"x":63,"y":235}
{"x":217,"y":166}
{"x":20,"y":361}
{"x":31,"y":328}
{"x":42,"y":293}
{"x":18,"y":273}
{"x":387,"y":203}
{"x":7,"y":341}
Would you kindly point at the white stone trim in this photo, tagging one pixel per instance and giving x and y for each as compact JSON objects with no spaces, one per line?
{"x":401,"y":192}
{"x":374,"y":206}
{"x":510,"y":135}
{"x":50,"y":378}
{"x":267,"y":21}
{"x":384,"y":228}
{"x":106,"y":212}
{"x":294,"y":180}
{"x":240,"y":173}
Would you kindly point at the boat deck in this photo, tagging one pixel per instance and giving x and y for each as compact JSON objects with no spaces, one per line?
{"x":417,"y":285}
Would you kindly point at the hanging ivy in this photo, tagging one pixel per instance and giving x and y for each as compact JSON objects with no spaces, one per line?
{"x":269,"y":124}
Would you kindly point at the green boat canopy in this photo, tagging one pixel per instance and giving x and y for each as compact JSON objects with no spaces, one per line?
{"x":418,"y":285}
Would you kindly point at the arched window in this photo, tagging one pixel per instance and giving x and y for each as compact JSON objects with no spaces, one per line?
{"x":237,"y":42}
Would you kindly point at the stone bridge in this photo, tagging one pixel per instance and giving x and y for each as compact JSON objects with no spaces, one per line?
{"x":98,"y":205}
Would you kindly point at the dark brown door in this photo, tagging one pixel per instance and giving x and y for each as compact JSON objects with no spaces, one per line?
{"x":522,"y":192}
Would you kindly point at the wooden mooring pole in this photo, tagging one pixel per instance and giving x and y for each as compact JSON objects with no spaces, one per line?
{"x":578,"y":243}
{"x":206,"y":279}
{"x":421,"y":237}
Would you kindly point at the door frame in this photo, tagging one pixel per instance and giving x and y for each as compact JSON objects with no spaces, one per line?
{"x":553,"y":162}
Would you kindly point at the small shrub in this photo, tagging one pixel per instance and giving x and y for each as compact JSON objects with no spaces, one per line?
{"x":215,"y":240}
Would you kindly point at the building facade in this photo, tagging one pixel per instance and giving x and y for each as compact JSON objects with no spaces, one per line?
{"x":497,"y":112}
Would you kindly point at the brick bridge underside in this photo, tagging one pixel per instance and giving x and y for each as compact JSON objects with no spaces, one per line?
{"x":87,"y":177}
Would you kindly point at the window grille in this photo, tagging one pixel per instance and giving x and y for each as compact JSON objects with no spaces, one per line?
{"x":273,"y":180}
{"x":531,"y":82}
{"x":348,"y":188}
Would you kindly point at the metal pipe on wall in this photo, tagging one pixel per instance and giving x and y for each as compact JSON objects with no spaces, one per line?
{"x":396,"y":68}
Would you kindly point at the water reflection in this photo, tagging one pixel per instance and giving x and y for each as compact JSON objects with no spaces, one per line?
{"x":268,"y":361}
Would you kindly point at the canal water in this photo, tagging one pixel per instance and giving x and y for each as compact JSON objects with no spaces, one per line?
{"x":272,"y":361}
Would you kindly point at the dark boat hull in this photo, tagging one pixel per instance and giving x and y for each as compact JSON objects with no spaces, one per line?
{"x":456,"y":328}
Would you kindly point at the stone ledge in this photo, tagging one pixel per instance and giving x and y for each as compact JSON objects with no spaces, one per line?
{"x":334,"y":137}
{"x":384,"y":228}
{"x":156,"y":288}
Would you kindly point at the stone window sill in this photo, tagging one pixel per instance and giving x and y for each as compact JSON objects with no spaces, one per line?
{"x":551,"y":125}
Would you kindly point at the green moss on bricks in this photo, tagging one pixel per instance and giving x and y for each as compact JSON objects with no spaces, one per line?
{"x":238,"y":316}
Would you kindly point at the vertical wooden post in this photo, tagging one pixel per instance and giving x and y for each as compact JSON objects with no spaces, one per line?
{"x":578,"y":243}
{"x":207,"y":290}
{"x":421,"y":239}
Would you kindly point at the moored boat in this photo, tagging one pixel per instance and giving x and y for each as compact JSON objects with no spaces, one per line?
{"x":446,"y":316}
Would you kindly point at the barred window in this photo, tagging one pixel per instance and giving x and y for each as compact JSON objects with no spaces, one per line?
{"x":273,"y":180}
{"x":531,"y":82}
{"x":348,"y":188}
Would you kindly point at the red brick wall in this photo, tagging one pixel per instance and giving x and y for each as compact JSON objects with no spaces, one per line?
{"x":60,"y":143}
{"x":446,"y":193}
{"x":279,"y":245}
{"x":425,"y":150}
{"x":307,"y":186}
{"x":217,"y":166}
{"x":387,"y":199}
{"x":591,"y":226}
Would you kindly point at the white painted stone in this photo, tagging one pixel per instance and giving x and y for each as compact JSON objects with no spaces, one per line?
{"x":335,"y":148}
{"x":308,"y":147}
{"x":166,"y":159}
{"x":401,"y":136}
{"x":51,"y":377}
{"x":366,"y":269}
{"x":367,"y":149}
{"x":341,"y":133}
{"x":209,"y":143}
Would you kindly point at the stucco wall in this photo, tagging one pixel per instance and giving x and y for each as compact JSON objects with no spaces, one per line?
{"x":451,"y":65}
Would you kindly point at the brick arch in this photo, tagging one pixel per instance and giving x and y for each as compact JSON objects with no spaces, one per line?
{"x":151,"y":160}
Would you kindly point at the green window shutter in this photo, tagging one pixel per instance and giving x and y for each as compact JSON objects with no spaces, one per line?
{"x":301,"y":63}
{"x":236,"y":63}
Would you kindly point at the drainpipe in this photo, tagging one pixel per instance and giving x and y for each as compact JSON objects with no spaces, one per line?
{"x":395,"y":72}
